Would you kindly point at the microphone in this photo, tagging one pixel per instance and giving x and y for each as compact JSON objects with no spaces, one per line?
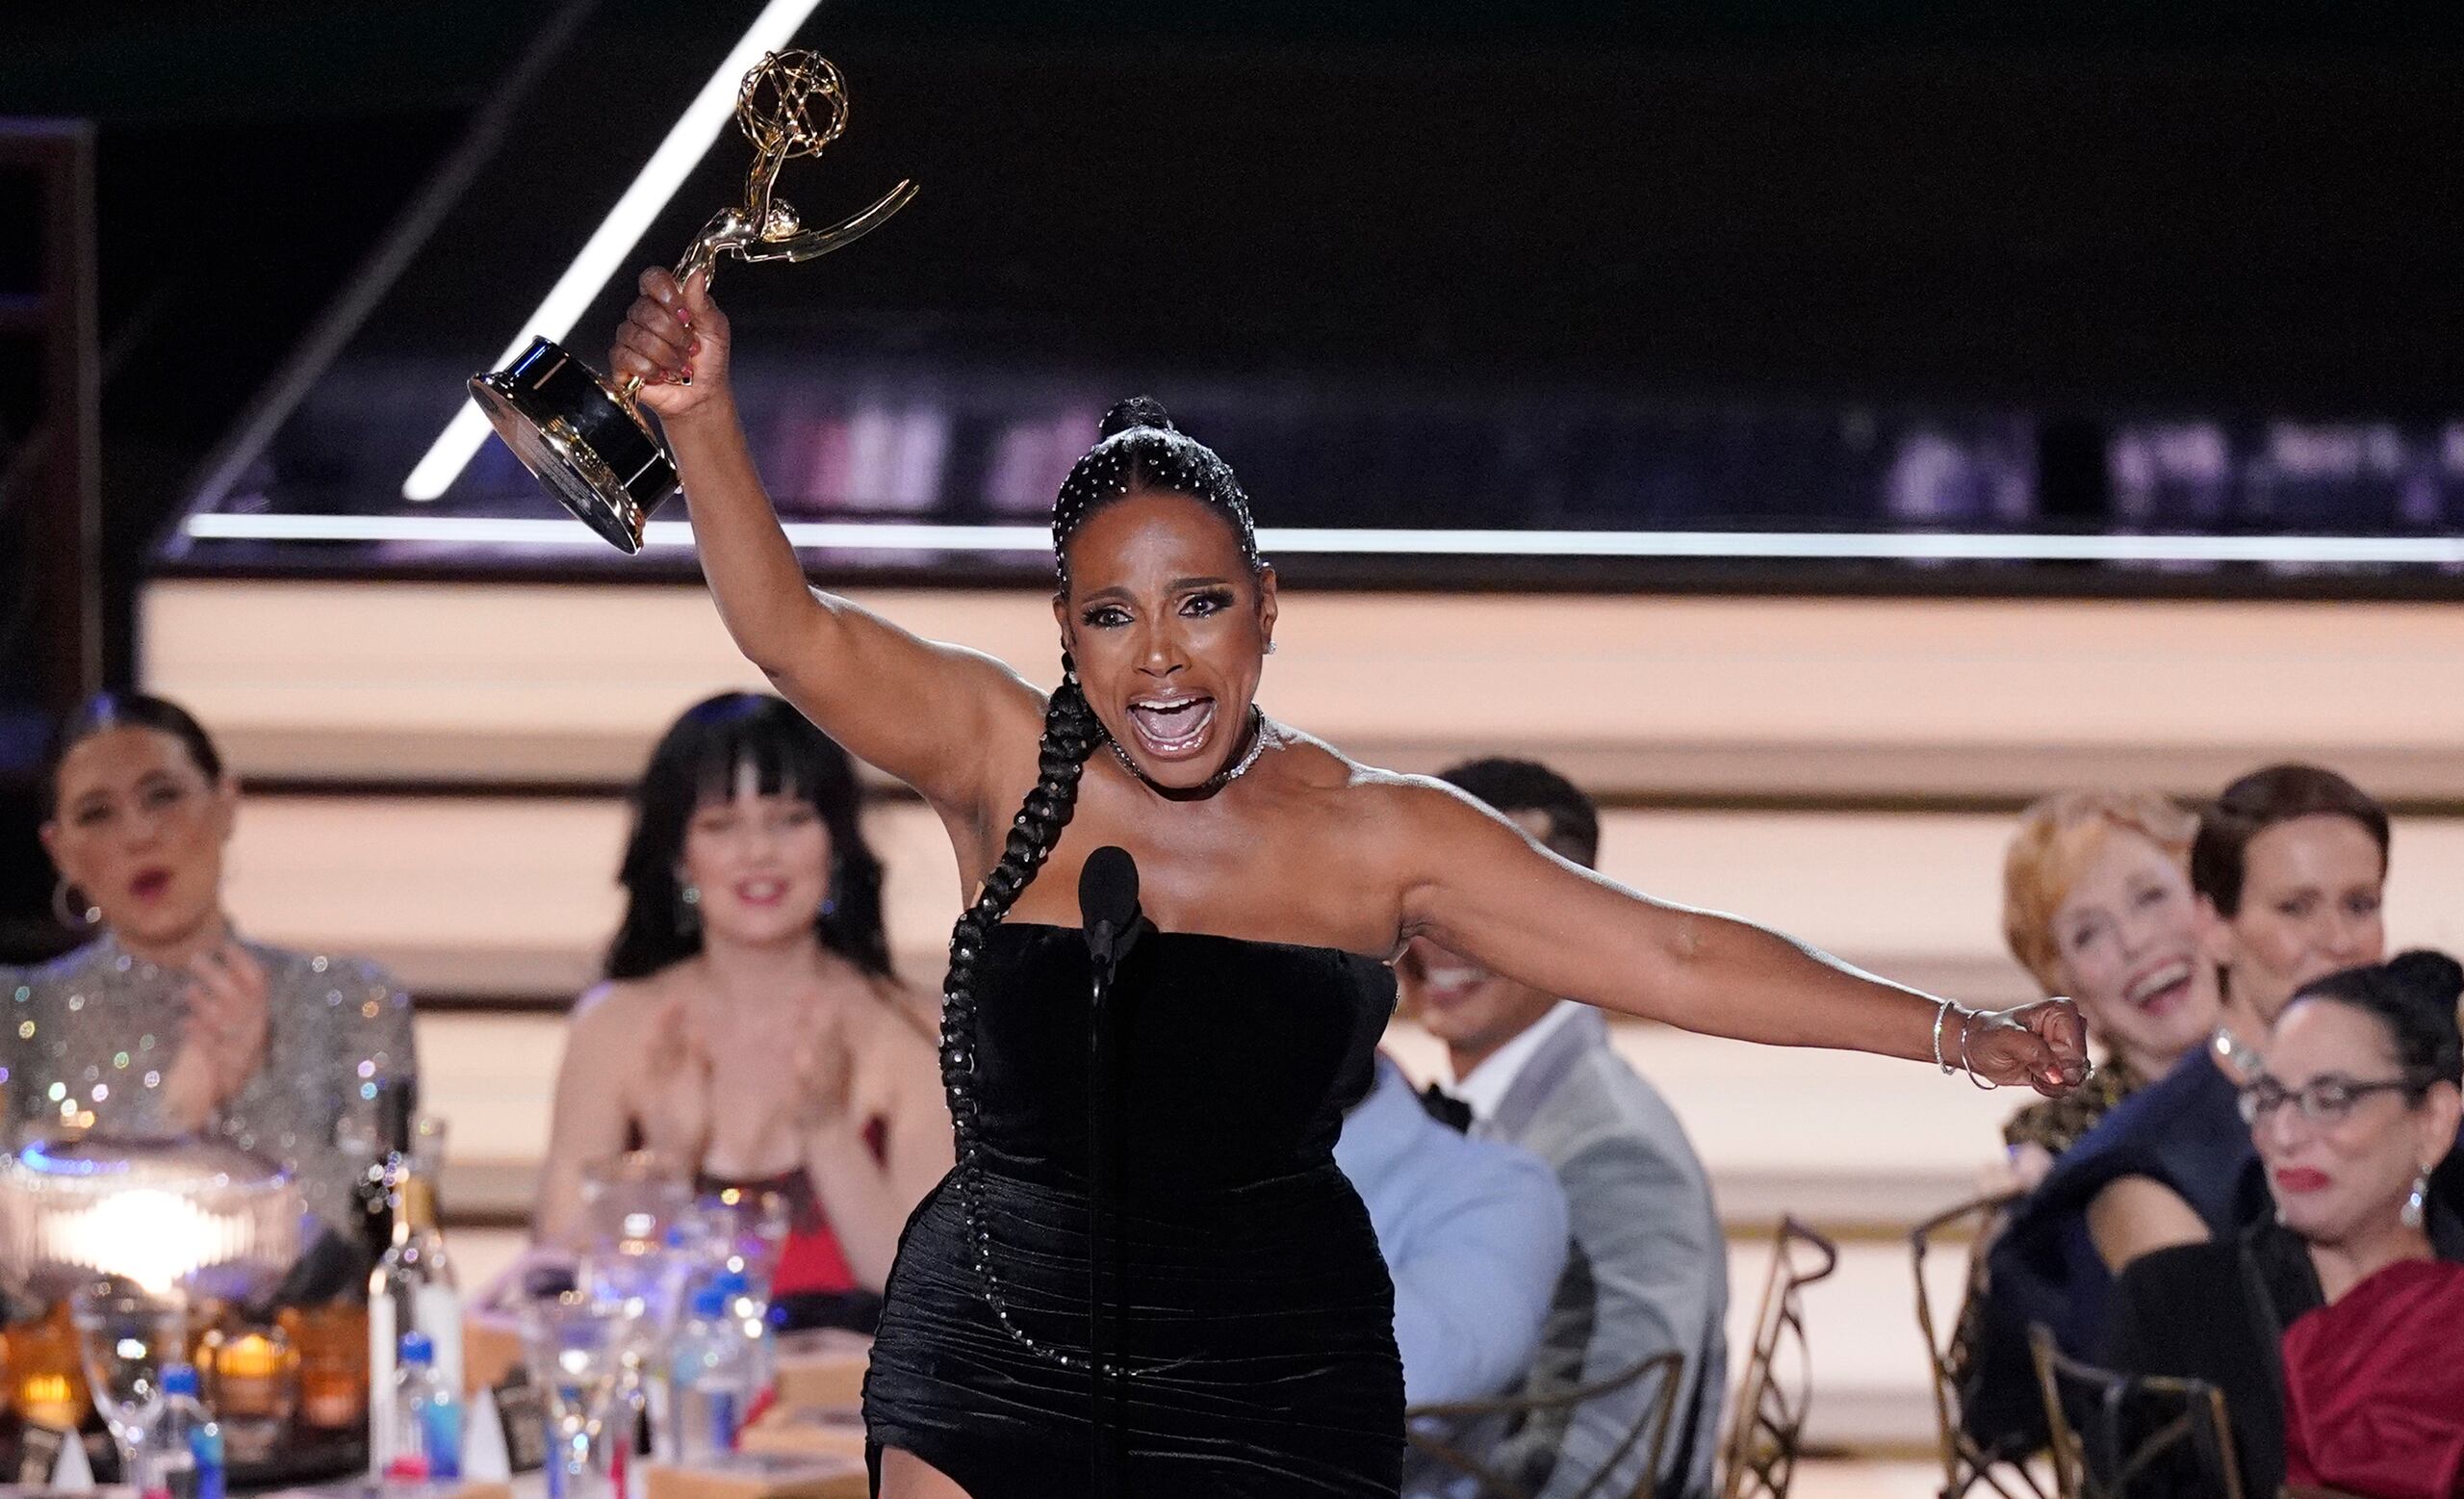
{"x":1108,"y":904}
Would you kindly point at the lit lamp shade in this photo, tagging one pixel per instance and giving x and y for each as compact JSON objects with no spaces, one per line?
{"x":192,"y":1215}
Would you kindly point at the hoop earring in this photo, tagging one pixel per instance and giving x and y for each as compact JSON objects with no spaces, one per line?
{"x":2417,"y":1203}
{"x":688,"y":909}
{"x":76,"y":918}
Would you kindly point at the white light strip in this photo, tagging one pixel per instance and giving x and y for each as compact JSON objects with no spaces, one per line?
{"x":1710,"y":545}
{"x":687,"y":140}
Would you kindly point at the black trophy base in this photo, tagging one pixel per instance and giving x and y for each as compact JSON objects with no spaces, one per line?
{"x":590,"y":449}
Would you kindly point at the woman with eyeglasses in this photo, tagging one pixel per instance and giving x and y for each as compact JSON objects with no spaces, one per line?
{"x":2352,"y":1291}
{"x":167,"y":1021}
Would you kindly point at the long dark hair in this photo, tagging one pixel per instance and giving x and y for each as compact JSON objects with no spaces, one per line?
{"x":695,"y":763}
{"x":105,"y":711}
{"x":1140,"y":452}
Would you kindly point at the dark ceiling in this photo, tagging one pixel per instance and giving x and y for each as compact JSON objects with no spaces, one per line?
{"x":2086,"y":205}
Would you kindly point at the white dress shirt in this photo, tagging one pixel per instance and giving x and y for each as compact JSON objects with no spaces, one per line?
{"x":1486,"y":1088}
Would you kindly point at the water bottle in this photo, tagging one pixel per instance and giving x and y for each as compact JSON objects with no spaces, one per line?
{"x":710,"y":1375}
{"x":749,"y":1304}
{"x":427,"y":1415}
{"x":179,"y":1452}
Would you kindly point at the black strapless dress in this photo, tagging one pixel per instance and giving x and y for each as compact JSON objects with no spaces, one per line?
{"x":1257,"y":1329}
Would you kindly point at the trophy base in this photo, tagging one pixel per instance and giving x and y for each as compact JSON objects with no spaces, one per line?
{"x":588,"y":447}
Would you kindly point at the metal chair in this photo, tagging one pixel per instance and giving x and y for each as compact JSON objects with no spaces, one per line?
{"x":1767,"y":1430}
{"x":2138,"y":1436}
{"x":1965,"y":1464}
{"x":1650,"y":1428}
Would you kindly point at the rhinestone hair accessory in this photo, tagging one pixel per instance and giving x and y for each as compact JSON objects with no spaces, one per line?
{"x":1142,"y":450}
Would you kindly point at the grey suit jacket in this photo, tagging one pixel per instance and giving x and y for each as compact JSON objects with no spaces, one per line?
{"x":1648,"y":1270}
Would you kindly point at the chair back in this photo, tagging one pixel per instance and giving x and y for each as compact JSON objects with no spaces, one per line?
{"x":1766,"y":1429}
{"x":1965,"y":1464}
{"x":2133,"y":1436}
{"x":1431,"y":1430}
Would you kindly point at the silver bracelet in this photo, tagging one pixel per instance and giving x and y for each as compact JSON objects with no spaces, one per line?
{"x":1965,"y":1065}
{"x":1941,"y":1008}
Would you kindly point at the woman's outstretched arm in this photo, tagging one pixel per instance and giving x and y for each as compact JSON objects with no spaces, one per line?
{"x":919,"y":711}
{"x":1475,"y":883}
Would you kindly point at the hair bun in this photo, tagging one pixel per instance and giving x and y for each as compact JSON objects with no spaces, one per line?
{"x":2428,"y":975}
{"x":1136,"y":412}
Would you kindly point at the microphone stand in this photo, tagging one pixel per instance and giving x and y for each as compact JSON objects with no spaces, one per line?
{"x":1108,"y":1429}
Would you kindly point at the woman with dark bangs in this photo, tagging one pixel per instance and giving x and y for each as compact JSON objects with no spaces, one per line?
{"x":750,"y":1025}
{"x":1253,"y":1352}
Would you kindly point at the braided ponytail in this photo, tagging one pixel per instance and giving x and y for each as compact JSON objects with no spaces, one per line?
{"x":1070,"y":732}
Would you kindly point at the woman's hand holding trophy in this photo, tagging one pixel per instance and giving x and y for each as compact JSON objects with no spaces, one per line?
{"x":583,"y":437}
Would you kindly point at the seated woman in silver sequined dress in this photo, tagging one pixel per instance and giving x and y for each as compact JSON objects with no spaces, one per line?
{"x":168,"y":1021}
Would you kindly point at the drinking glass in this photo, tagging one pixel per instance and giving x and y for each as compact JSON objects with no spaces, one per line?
{"x":125,"y":1335}
{"x":743,"y":1229}
{"x":577,"y":1347}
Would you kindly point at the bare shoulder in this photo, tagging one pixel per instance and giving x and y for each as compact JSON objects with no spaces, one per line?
{"x":1396,"y":811}
{"x":617,"y":1008}
{"x":1387,"y":826}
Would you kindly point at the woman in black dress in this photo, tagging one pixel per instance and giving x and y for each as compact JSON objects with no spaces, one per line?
{"x":1258,"y":1356}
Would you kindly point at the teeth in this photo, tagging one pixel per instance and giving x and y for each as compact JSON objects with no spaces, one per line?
{"x":1172,"y":725}
{"x":2161,"y":979}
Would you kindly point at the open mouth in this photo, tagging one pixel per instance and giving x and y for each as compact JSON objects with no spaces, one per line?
{"x":150,"y":883}
{"x":759,"y":892}
{"x":1443,"y":980}
{"x":1171,"y":727}
{"x":2161,"y":990}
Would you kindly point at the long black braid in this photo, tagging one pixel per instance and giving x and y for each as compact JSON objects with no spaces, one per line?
{"x":1139,"y":452}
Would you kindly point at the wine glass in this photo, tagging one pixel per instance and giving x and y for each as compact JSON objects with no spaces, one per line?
{"x":125,"y":1335}
{"x":638,"y":1209}
{"x":577,"y":1346}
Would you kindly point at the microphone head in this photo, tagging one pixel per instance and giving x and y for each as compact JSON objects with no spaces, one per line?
{"x":1108,"y":889}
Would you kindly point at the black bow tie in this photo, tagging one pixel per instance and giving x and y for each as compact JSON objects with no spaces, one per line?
{"x":1446,"y":1108}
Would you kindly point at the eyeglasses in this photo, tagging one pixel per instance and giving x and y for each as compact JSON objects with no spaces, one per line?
{"x":2325,"y":1101}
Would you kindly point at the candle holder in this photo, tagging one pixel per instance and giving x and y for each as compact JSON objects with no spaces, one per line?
{"x":47,"y":1379}
{"x":331,"y":1346}
{"x":251,"y":1376}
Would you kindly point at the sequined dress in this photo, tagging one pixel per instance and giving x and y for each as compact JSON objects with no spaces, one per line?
{"x":1259,"y":1329}
{"x":86,"y":1040}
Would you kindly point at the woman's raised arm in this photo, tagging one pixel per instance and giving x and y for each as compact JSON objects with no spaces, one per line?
{"x":919,"y":711}
{"x":1475,"y":883}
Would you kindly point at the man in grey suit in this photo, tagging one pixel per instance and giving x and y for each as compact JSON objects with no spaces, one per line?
{"x":1648,"y":1270}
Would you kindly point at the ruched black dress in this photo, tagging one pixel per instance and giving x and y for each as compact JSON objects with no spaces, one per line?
{"x":1257,"y":1327}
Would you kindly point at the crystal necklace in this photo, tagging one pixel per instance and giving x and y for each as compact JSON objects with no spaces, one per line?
{"x":1214,"y":782}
